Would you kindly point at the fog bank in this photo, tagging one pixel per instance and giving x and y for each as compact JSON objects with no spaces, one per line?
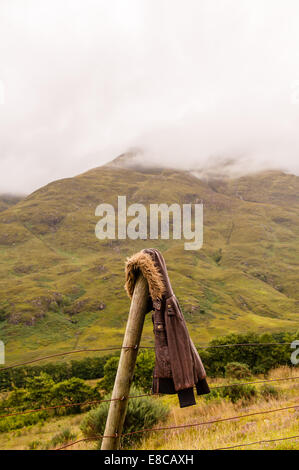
{"x":83,"y":81}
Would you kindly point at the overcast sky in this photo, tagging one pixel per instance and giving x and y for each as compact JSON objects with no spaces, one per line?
{"x":82,"y":81}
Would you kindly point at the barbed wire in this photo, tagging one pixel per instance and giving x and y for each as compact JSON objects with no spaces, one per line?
{"x":183,"y":426}
{"x":94,"y":438}
{"x":65,"y":405}
{"x":257,"y":442}
{"x":241,"y":344}
{"x":213,"y":346}
{"x":119,"y":348}
{"x":139,"y":396}
{"x":221,"y":448}
{"x":68,"y":405}
{"x":74,"y":351}
{"x":254,"y":382}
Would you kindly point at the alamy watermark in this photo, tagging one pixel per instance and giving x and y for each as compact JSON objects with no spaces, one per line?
{"x":295,"y":354}
{"x":186,"y":222}
{"x":2,"y":352}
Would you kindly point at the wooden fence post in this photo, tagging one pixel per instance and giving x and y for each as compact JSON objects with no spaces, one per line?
{"x":126,"y":366}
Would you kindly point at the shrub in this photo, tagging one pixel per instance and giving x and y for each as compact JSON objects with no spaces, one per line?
{"x":269,"y":391}
{"x":18,"y":398}
{"x":33,"y":445}
{"x":236,"y":392}
{"x":62,"y":437}
{"x":40,"y":389}
{"x":143,"y":412}
{"x":18,"y":422}
{"x":143,"y":375}
{"x":260,"y":359}
{"x":110,"y":370}
{"x":215,"y":394}
{"x":237,"y":370}
{"x":72,"y":391}
{"x":43,"y":392}
{"x":86,"y":368}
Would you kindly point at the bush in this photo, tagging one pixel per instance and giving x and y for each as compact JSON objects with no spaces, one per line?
{"x":18,"y":422}
{"x":63,"y":437}
{"x":260,"y":359}
{"x":34,"y":445}
{"x":110,"y":370}
{"x":72,"y":391}
{"x":18,"y":398}
{"x":87,"y":368}
{"x":40,"y":390}
{"x":143,"y":412}
{"x":143,"y":375}
{"x":215,"y":394}
{"x":233,"y":393}
{"x":237,"y":370}
{"x":41,"y":393}
{"x":269,"y":391}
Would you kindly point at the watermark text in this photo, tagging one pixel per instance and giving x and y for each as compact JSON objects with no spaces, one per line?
{"x":2,"y":352}
{"x":295,"y":354}
{"x":136,"y":222}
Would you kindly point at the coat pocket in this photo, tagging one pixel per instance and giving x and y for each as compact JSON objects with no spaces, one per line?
{"x":172,"y":307}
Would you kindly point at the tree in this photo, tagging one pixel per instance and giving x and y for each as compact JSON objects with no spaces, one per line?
{"x":40,"y":389}
{"x":71,"y":391}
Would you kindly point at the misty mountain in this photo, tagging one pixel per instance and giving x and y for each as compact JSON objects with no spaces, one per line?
{"x":62,"y":287}
{"x":8,"y":200}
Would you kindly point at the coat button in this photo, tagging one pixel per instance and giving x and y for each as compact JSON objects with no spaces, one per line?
{"x":160,"y":327}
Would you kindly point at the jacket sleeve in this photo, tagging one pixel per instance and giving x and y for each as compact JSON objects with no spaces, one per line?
{"x":181,"y":354}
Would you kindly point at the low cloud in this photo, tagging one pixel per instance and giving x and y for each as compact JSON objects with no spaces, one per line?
{"x":194,"y":85}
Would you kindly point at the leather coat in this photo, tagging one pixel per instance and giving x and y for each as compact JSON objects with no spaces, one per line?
{"x":178,"y":367}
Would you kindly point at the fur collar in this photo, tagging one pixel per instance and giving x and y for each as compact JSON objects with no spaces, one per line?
{"x":142,"y":262}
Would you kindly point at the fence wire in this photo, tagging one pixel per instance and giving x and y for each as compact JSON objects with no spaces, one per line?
{"x":258,"y":442}
{"x":68,"y":405}
{"x":119,"y":348}
{"x":182,"y":426}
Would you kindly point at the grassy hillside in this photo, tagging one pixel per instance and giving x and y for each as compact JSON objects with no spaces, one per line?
{"x":8,"y":200}
{"x":62,"y":288}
